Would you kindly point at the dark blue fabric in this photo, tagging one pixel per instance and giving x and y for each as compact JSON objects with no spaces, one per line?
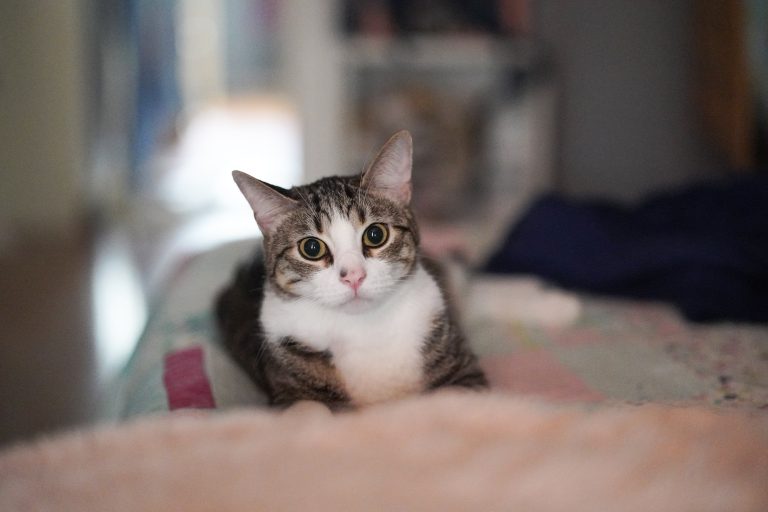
{"x":704,"y":249}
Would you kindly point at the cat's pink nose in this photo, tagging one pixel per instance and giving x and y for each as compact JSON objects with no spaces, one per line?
{"x":352,"y":277}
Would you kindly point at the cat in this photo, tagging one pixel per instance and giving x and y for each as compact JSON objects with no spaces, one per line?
{"x":339,"y":306}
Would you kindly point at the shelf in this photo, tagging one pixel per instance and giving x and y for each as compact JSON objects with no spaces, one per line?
{"x":438,"y":52}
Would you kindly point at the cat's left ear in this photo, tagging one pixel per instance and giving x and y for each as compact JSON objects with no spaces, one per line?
{"x":390,"y":173}
{"x":269,"y":206}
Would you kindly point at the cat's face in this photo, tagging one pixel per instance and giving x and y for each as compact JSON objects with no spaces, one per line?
{"x":345,"y":242}
{"x":341,"y":247}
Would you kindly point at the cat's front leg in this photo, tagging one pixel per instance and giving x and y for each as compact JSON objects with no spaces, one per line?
{"x":300,"y":373}
{"x":465,"y":374}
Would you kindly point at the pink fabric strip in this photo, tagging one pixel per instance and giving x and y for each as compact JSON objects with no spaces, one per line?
{"x":539,"y":373}
{"x":185,"y":381}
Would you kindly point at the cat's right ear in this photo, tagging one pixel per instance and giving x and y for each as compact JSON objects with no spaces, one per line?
{"x":390,"y":172}
{"x":269,"y":206}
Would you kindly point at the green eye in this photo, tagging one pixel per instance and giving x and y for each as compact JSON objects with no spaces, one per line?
{"x":312,"y":248}
{"x":375,"y":235}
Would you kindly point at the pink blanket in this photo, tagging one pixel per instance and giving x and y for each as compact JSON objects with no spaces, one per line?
{"x":442,"y":452}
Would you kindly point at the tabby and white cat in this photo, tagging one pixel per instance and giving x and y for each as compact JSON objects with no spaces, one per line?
{"x":340,"y":307}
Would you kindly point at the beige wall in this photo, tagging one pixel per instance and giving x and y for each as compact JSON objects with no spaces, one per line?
{"x":42,"y":114}
{"x":628,"y":123}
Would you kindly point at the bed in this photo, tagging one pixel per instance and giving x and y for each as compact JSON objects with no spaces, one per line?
{"x":596,"y":403}
{"x":532,"y":339}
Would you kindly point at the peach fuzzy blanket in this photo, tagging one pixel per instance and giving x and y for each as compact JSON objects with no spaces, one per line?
{"x":442,"y":452}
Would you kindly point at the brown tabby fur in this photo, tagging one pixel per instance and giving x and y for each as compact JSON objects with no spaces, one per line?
{"x":290,"y":370}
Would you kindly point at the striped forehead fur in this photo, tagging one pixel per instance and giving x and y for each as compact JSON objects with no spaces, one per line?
{"x":344,"y":194}
{"x":321,"y":200}
{"x":327,"y":195}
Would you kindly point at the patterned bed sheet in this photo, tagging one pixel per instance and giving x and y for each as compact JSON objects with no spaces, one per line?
{"x":607,"y":350}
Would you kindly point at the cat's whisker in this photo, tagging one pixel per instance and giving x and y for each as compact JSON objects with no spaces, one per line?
{"x":260,"y":352}
{"x":360,"y":195}
{"x":303,"y":197}
{"x":366,"y":191}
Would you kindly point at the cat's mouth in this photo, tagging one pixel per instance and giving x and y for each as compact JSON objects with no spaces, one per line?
{"x":357,"y":302}
{"x":368,"y":296}
{"x":357,"y":298}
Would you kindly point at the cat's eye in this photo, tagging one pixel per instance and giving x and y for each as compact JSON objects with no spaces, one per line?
{"x":375,"y":235}
{"x":312,"y":248}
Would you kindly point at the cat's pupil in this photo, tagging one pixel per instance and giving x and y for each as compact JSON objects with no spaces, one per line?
{"x":375,"y":235}
{"x":312,"y":247}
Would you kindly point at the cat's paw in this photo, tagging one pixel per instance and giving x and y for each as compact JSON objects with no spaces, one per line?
{"x":521,"y":299}
{"x":307,"y":408}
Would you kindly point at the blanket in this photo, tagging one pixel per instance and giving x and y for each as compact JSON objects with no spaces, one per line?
{"x":703,"y":249}
{"x":443,"y":452}
{"x":532,"y":340}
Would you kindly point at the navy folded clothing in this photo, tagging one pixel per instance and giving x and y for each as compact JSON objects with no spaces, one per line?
{"x":704,"y":248}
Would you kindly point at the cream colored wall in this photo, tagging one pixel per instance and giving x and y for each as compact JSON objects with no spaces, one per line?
{"x":42,"y":114}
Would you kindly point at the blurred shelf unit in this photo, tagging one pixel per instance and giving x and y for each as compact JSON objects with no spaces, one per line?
{"x":480,"y":109}
{"x":439,"y":52}
{"x":475,"y":91}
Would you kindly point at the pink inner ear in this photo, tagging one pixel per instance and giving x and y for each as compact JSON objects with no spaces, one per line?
{"x":401,"y":193}
{"x":269,"y":206}
{"x":271,"y":210}
{"x":390,"y":173}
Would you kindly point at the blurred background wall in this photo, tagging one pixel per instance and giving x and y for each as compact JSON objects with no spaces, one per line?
{"x":629,"y":123}
{"x":43,"y":131}
{"x":627,"y":118}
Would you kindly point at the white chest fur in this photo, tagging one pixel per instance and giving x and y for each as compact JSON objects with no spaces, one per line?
{"x":377,"y":351}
